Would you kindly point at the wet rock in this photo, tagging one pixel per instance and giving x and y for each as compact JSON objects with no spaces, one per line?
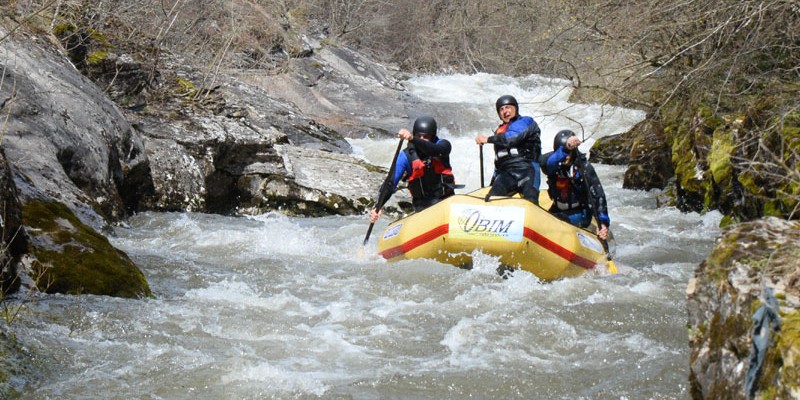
{"x":71,"y":257}
{"x":612,"y":149}
{"x":650,"y":158}
{"x":18,"y":367}
{"x":66,"y":144}
{"x":722,"y":297}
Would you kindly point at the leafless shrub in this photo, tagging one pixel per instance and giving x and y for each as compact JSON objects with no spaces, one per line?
{"x":648,"y":54}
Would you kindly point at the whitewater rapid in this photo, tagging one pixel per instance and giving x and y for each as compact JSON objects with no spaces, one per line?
{"x":272,"y":306}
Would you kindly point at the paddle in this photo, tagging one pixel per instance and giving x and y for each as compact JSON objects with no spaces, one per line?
{"x":386,"y":189}
{"x":582,"y":166}
{"x":480,"y":156}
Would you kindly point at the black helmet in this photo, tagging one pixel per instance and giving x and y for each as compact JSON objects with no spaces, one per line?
{"x":561,"y":138}
{"x":425,"y":125}
{"x":505,"y":100}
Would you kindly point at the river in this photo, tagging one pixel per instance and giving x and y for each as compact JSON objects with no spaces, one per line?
{"x":277,"y":307}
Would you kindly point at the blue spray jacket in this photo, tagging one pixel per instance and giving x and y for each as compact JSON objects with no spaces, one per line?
{"x":572,"y":185}
{"x":518,"y":138}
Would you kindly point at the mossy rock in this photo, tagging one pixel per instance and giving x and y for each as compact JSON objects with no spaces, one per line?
{"x":612,"y":149}
{"x":73,"y":258}
{"x":789,"y":343}
{"x":724,"y":296}
{"x":17,"y":367}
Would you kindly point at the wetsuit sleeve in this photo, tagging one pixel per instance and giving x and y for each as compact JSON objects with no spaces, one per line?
{"x":441,"y":148}
{"x":402,"y":167}
{"x":597,"y":193}
{"x":533,"y":134}
{"x":555,"y":159}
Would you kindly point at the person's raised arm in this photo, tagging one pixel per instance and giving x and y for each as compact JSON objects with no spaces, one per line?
{"x":441,"y":148}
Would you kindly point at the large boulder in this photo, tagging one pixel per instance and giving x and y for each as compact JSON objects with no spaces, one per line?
{"x":64,"y":138}
{"x":68,"y":147}
{"x":71,"y":257}
{"x":754,"y":264}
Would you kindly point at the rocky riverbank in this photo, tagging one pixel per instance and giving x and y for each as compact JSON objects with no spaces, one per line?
{"x":73,"y":154}
{"x":87,"y":144}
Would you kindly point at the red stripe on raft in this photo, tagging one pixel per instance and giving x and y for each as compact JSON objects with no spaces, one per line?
{"x":530,"y":234}
{"x":555,"y":248}
{"x":415,"y":242}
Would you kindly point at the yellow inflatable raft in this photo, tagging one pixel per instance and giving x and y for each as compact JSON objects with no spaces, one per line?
{"x":520,"y":233}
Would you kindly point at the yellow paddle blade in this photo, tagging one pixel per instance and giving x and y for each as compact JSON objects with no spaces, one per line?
{"x":611,"y":267}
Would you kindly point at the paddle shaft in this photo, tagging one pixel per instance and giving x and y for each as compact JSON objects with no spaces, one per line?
{"x":480,"y":156}
{"x":383,"y":195}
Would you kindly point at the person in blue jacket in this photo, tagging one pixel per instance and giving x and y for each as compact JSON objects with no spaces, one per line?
{"x":573,"y":185}
{"x":517,"y":148}
{"x":425,"y":164}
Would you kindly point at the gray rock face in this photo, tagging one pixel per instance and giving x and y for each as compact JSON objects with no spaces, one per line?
{"x":64,"y":139}
{"x":342,"y":90}
{"x":231,"y":147}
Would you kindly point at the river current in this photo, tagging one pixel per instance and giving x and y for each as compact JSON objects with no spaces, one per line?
{"x":277,"y":307}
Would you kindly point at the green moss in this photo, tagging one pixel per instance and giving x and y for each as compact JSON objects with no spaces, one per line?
{"x":74,"y":258}
{"x":96,"y":56}
{"x":718,"y":263}
{"x":704,"y":111}
{"x":749,"y":181}
{"x":780,"y":373}
{"x":773,"y":208}
{"x":721,"y":330}
{"x":728,"y":220}
{"x":99,"y":38}
{"x":789,"y":345}
{"x":719,"y":159}
{"x":62,"y":30}
{"x":685,"y":163}
{"x":185,"y":87}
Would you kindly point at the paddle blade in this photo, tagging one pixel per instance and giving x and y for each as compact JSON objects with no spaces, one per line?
{"x":612,"y":269}
{"x":361,"y":253}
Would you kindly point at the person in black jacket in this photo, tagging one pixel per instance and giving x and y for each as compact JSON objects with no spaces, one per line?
{"x":425,"y":164}
{"x":517,"y":149}
{"x":573,"y":185}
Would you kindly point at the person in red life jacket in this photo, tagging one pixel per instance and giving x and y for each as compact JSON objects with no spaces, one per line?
{"x":517,"y":149}
{"x":574,"y":186}
{"x":425,"y":164}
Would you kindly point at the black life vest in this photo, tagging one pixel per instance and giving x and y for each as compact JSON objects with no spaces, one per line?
{"x":431,"y":178}
{"x":567,"y":189}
